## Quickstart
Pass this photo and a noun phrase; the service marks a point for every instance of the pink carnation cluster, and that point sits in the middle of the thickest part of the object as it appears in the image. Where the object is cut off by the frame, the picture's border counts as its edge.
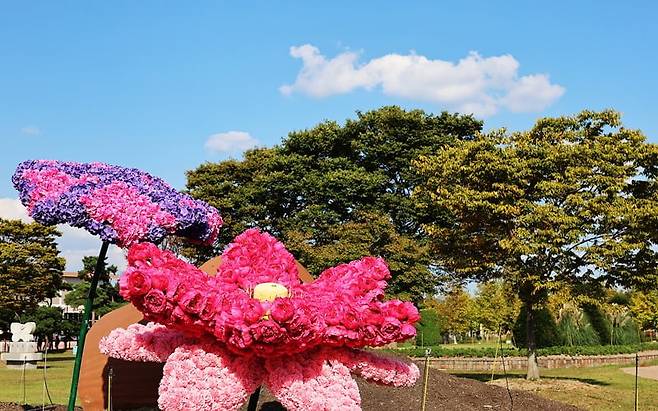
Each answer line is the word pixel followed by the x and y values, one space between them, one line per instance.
pixel 131 214
pixel 147 343
pixel 219 343
pixel 341 308
pixel 50 183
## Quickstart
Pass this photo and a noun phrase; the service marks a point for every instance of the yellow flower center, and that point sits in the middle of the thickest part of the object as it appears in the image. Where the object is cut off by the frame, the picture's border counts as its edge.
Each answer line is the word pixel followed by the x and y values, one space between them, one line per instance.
pixel 269 291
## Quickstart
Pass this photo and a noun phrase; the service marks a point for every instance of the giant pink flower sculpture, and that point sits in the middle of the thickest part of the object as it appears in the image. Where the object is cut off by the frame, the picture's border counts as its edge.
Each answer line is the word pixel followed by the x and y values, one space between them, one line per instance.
pixel 219 343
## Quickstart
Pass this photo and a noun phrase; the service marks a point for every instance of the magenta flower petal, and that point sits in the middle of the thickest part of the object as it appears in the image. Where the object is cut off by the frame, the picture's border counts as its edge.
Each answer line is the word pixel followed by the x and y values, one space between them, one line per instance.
pixel 203 377
pixel 253 258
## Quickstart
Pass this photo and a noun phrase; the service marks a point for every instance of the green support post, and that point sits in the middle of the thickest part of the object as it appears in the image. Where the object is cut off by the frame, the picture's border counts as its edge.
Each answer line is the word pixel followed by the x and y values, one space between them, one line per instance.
pixel 84 327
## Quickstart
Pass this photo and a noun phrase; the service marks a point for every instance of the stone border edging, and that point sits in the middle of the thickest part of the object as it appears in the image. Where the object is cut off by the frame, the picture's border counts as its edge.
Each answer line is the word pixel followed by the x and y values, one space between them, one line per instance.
pixel 549 361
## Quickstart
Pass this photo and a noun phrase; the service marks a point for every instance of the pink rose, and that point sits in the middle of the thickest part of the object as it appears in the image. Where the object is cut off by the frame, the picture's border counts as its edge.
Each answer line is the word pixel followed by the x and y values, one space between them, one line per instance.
pixel 240 338
pixel 351 319
pixel 209 308
pixel 390 329
pixel 412 312
pixel 282 310
pixel 155 301
pixel 365 284
pixel 299 328
pixel 159 280
pixel 403 311
pixel 408 331
pixel 370 333
pixel 252 311
pixel 373 315
pixel 192 302
pixel 181 289
pixel 134 282
pixel 180 316
pixel 335 335
pixel 268 332
pixel 334 314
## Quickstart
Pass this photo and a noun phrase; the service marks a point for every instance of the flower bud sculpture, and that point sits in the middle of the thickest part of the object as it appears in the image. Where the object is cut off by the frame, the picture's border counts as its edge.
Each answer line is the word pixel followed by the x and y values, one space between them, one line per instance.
pixel 255 323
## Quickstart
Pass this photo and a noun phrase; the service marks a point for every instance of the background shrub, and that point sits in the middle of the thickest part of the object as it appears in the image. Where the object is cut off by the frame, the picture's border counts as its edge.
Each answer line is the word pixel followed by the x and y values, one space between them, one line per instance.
pixel 429 329
pixel 546 331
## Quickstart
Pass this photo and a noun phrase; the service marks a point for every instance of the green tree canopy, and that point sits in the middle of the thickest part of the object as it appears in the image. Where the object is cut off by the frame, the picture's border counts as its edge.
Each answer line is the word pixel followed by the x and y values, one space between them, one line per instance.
pixel 335 192
pixel 573 200
pixel 49 321
pixel 644 306
pixel 456 309
pixel 496 306
pixel 89 265
pixel 30 266
pixel 107 294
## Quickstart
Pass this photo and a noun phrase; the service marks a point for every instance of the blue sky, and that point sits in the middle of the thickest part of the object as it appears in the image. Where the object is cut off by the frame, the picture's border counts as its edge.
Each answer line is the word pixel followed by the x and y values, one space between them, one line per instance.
pixel 164 86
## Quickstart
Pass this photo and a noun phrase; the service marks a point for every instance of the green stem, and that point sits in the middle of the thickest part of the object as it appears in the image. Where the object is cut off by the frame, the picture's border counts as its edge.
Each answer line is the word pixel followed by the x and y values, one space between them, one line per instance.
pixel 84 327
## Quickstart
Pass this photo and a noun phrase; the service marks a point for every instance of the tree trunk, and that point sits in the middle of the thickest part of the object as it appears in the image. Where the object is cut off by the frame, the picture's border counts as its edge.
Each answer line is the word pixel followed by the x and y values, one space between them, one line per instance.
pixel 533 367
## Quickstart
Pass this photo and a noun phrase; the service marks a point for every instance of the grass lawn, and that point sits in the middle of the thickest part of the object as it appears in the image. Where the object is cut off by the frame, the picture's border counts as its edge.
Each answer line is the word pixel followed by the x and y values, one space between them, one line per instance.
pixel 596 388
pixel 58 376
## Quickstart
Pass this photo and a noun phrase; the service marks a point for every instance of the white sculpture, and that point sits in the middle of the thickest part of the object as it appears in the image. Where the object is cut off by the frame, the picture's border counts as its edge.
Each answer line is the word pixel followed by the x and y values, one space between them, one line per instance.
pixel 22 350
pixel 23 332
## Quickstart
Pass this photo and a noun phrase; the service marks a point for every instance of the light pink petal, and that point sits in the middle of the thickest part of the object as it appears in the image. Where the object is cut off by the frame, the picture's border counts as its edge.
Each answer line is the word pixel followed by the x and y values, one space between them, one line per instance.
pixel 203 377
pixel 145 343
pixel 377 368
pixel 311 382
pixel 255 257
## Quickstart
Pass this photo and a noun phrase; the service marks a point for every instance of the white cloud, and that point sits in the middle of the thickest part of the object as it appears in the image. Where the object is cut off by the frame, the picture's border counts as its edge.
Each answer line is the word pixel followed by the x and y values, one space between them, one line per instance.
pixel 474 84
pixel 74 243
pixel 230 142
pixel 31 130
pixel 12 209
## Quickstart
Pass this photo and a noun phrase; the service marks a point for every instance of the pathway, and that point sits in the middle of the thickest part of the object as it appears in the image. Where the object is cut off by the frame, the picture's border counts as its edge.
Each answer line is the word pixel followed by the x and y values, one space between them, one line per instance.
pixel 644 372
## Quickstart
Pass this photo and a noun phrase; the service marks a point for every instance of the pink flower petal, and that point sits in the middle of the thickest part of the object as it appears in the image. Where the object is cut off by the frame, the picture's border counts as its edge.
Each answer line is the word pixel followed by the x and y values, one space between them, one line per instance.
pixel 376 368
pixel 145 343
pixel 309 381
pixel 204 377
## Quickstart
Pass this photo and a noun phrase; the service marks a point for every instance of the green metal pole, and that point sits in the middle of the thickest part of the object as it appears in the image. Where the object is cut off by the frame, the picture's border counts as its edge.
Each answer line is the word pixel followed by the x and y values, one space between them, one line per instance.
pixel 84 327
pixel 253 400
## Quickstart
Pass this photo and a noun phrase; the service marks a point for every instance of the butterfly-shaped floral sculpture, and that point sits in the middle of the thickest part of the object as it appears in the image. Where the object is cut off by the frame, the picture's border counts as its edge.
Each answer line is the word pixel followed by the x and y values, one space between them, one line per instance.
pixel 303 341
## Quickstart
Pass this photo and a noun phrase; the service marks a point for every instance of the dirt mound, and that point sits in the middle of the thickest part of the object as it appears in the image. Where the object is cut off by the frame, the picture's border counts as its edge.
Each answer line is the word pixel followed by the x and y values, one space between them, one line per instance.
pixel 445 392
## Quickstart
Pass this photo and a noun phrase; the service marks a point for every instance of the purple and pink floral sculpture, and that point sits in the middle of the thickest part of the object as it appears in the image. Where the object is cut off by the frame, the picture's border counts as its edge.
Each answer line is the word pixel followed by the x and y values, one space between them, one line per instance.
pixel 219 343
pixel 121 205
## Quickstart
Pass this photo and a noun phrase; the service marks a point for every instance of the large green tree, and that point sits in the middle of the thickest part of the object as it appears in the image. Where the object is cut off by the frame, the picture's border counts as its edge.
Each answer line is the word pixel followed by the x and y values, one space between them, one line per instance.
pixel 336 192
pixel 570 201
pixel 30 265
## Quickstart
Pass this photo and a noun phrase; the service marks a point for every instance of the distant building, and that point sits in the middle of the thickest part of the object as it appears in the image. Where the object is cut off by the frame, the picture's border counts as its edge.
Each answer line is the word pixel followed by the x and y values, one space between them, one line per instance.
pixel 70 278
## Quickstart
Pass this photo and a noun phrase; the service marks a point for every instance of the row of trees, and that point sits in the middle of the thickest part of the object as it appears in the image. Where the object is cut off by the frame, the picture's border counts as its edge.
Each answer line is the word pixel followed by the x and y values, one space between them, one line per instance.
pixel 570 202
pixel 494 311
